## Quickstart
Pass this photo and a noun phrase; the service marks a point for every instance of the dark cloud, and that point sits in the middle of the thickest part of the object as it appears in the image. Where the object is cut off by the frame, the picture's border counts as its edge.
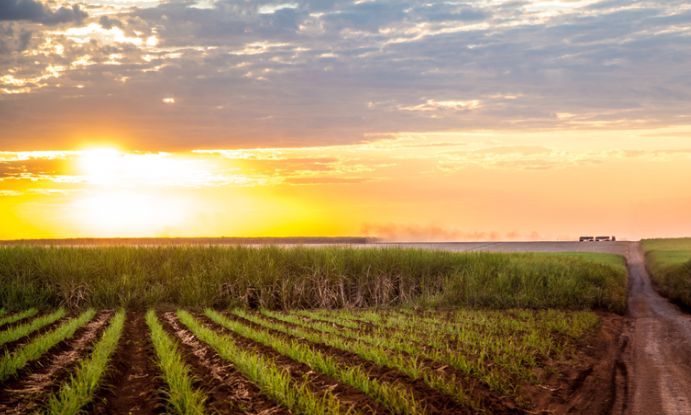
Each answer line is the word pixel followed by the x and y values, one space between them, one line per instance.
pixel 37 12
pixel 108 23
pixel 329 72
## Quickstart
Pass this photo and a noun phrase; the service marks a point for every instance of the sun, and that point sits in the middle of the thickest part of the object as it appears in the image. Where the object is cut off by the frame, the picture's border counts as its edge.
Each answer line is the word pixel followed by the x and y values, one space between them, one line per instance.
pixel 100 161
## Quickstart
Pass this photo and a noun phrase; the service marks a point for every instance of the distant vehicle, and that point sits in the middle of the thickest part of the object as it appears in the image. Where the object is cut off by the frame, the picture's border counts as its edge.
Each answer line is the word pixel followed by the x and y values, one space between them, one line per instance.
pixel 602 238
pixel 587 239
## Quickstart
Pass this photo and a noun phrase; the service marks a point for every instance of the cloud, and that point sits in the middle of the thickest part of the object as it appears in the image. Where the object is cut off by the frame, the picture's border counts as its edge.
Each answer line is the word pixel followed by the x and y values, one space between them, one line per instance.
pixel 329 73
pixel 34 11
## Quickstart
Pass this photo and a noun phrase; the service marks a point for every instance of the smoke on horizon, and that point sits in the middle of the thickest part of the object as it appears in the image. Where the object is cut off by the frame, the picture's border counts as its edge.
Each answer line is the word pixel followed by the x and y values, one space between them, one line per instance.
pixel 433 233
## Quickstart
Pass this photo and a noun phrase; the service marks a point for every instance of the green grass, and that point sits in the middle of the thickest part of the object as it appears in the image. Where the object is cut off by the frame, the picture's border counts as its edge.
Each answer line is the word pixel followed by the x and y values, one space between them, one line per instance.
pixel 381 354
pixel 499 348
pixel 79 390
pixel 274 381
pixel 16 317
pixel 669 264
pixel 301 277
pixel 183 398
pixel 396 398
pixel 11 363
pixel 28 328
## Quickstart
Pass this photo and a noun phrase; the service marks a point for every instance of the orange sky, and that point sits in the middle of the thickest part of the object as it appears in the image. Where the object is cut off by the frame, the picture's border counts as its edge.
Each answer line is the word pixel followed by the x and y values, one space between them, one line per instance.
pixel 408 120
pixel 415 187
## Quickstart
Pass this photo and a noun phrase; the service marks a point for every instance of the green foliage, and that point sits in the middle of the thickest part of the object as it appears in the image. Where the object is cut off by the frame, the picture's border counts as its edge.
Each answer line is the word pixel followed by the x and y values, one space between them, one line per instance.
pixel 301 277
pixel 11 363
pixel 79 390
pixel 669 264
pixel 28 328
pixel 183 398
pixel 499 348
pixel 274 381
pixel 16 317
pixel 615 261
pixel 394 397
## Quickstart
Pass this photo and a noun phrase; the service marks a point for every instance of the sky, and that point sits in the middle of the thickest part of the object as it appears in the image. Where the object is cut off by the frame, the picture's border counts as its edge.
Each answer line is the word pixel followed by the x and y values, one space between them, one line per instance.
pixel 404 120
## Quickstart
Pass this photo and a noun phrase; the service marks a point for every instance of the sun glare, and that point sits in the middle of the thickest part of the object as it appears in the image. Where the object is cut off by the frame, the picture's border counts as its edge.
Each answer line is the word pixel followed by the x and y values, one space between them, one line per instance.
pixel 117 210
pixel 122 214
pixel 100 162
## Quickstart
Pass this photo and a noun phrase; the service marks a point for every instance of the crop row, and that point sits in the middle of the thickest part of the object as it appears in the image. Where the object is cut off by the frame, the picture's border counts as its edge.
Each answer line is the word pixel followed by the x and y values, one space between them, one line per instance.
pixel 317 362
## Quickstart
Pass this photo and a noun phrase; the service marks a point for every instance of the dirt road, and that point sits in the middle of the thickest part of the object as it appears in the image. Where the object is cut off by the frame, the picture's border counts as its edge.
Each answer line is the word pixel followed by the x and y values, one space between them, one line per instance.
pixel 660 353
pixel 654 371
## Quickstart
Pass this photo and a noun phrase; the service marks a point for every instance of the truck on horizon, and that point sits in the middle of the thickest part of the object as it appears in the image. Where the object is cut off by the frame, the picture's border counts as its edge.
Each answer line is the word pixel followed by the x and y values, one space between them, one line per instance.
pixel 597 238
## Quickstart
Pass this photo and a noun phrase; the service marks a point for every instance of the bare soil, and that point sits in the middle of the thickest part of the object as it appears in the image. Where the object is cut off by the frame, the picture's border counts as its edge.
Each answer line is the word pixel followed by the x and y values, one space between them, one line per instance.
pixel 132 385
pixel 10 347
pixel 24 394
pixel 319 383
pixel 228 391
pixel 19 322
pixel 435 401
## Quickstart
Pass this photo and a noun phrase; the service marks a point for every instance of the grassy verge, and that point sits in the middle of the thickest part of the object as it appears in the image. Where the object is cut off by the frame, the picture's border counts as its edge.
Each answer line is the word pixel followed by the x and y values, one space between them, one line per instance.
pixel 79 390
pixel 11 363
pixel 301 277
pixel 396 398
pixel 183 398
pixel 16 317
pixel 275 382
pixel 669 264
pixel 28 328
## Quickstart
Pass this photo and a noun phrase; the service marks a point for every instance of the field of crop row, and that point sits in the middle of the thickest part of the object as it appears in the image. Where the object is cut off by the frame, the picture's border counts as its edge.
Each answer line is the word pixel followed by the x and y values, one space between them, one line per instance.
pixel 138 278
pixel 302 362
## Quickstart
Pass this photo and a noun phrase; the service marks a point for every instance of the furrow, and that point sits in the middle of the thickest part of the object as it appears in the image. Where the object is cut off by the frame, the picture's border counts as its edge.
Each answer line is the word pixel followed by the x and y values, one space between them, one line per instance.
pixel 358 391
pixel 228 391
pixel 23 330
pixel 22 395
pixel 473 359
pixel 437 392
pixel 182 397
pixel 10 320
pixel 11 363
pixel 79 390
pixel 285 381
pixel 132 382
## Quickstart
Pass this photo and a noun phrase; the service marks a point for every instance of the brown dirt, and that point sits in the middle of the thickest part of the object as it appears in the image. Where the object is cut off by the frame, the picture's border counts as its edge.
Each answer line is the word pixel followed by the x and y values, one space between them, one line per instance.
pixel 656 359
pixel 227 390
pixel 319 383
pixel 436 402
pixel 133 381
pixel 13 345
pixel 24 394
pixel 588 384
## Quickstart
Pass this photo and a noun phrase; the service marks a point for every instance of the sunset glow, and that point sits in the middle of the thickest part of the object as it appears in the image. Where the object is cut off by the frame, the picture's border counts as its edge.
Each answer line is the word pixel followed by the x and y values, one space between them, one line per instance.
pixel 408 121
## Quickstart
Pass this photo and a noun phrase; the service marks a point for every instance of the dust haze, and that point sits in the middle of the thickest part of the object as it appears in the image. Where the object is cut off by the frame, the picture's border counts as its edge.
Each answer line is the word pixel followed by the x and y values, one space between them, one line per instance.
pixel 433 233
